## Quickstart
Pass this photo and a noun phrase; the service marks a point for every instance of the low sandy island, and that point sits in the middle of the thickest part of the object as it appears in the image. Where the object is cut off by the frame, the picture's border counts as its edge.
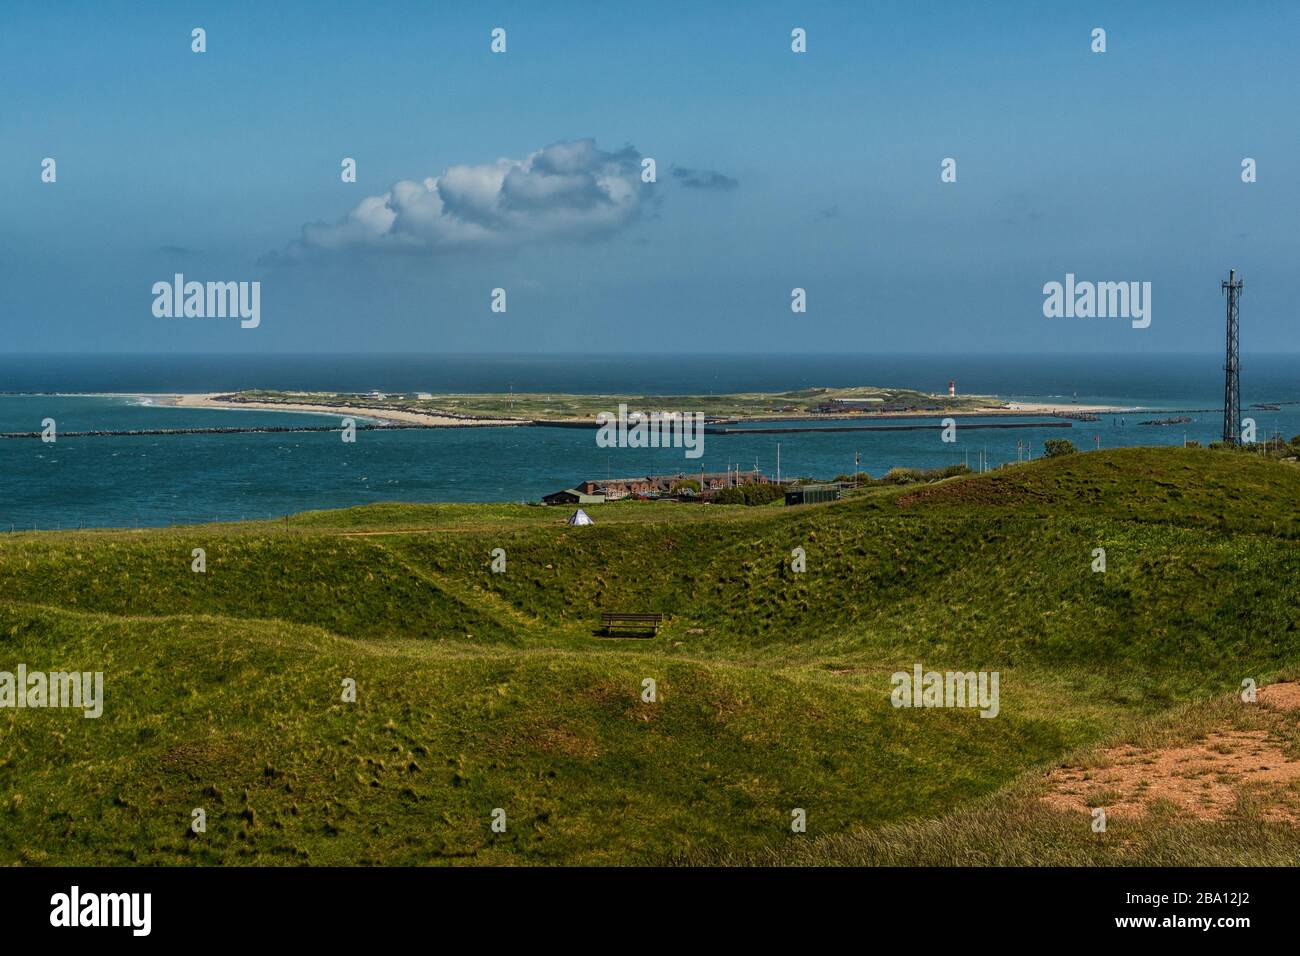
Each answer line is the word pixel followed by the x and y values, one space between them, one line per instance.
pixel 216 400
pixel 385 414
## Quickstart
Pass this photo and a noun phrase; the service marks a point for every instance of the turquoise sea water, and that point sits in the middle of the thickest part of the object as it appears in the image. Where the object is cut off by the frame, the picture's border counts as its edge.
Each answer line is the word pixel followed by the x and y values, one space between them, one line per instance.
pixel 152 480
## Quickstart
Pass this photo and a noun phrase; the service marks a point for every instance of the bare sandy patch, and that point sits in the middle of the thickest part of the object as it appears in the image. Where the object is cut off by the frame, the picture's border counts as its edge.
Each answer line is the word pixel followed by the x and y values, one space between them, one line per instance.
pixel 1285 696
pixel 1203 779
pixel 375 412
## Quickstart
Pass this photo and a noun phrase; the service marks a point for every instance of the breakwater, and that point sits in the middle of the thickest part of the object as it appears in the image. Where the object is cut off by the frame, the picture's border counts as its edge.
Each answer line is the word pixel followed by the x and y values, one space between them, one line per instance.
pixel 230 430
pixel 795 429
pixel 964 426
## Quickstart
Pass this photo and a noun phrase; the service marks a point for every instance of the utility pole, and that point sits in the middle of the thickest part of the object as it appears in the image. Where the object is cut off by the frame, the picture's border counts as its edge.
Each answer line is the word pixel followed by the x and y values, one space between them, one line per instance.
pixel 778 463
pixel 1232 364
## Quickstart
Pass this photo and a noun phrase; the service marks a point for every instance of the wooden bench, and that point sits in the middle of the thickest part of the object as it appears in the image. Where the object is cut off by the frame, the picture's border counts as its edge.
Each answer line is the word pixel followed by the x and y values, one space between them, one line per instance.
pixel 640 622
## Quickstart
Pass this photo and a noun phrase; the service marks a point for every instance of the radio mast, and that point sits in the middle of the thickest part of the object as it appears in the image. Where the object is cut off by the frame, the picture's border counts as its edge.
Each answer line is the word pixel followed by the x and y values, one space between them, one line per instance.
pixel 1232 365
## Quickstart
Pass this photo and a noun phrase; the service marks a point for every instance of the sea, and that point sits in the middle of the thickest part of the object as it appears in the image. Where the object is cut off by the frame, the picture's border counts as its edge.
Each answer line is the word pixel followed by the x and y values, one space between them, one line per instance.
pixel 181 479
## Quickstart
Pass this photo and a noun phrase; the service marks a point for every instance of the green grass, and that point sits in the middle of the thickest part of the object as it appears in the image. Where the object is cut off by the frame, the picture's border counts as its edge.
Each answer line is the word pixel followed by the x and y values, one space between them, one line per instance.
pixel 479 691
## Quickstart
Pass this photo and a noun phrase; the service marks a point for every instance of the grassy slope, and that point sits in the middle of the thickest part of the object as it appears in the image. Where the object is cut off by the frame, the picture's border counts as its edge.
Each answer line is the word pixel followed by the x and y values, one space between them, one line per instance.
pixel 481 690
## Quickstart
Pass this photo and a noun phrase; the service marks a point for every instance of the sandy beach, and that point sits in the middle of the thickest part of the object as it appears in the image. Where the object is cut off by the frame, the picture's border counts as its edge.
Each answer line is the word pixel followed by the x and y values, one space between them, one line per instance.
pixel 215 400
pixel 1039 408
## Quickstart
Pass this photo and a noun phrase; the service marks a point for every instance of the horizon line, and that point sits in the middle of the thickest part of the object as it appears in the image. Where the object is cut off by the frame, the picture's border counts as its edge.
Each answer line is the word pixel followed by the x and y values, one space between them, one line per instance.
pixel 637 354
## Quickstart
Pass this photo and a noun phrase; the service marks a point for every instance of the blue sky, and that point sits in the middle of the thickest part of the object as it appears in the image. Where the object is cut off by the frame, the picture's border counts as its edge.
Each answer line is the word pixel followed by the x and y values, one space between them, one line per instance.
pixel 1116 166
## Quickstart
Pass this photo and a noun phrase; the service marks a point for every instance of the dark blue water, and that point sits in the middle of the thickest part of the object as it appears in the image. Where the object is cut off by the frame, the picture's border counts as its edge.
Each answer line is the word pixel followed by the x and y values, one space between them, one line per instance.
pixel 178 479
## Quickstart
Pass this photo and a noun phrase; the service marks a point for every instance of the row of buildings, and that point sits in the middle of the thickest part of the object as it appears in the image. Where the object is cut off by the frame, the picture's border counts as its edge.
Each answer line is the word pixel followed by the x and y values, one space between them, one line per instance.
pixel 836 406
pixel 598 490
pixel 683 486
pixel 399 396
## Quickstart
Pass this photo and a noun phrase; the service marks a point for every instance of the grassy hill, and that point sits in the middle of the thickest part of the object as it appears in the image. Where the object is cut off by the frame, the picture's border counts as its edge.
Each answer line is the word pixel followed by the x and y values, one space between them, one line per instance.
pixel 478 691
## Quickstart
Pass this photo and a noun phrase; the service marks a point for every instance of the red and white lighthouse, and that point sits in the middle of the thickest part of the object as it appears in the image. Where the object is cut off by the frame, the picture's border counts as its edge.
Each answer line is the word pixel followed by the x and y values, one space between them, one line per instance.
pixel 952 389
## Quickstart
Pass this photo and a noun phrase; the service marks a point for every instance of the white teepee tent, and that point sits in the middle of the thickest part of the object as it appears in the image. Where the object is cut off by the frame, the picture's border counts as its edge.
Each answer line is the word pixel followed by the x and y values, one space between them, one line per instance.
pixel 580 517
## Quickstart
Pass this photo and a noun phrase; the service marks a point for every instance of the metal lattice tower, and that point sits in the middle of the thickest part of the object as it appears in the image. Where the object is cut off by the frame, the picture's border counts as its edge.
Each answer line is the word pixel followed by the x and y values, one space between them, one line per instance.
pixel 1232 365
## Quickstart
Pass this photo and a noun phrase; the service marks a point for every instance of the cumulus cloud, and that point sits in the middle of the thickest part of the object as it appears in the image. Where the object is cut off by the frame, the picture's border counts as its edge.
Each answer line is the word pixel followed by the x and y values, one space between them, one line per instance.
pixel 703 178
pixel 570 190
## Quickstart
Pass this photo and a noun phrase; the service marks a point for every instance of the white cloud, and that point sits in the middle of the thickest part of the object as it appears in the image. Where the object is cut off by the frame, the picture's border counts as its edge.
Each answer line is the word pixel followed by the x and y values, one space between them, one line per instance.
pixel 566 191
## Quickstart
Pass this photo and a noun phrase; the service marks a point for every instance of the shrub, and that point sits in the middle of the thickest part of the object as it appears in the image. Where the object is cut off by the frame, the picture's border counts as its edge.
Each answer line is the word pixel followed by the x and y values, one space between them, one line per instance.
pixel 1056 447
pixel 909 476
pixel 749 495
pixel 900 476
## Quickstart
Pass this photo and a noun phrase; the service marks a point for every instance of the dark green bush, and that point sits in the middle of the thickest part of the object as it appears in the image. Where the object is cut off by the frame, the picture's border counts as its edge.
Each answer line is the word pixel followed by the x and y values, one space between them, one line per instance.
pixel 749 495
